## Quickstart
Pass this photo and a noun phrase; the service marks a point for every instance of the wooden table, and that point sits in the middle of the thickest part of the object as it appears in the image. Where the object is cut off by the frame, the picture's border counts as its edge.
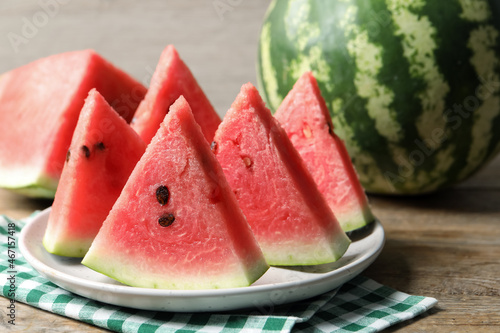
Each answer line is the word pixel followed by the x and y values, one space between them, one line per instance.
pixel 445 245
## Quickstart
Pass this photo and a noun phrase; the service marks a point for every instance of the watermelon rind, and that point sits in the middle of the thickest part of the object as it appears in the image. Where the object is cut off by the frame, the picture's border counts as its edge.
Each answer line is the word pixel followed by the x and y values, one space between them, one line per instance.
pixel 315 254
pixel 43 187
pixel 357 219
pixel 412 86
pixel 119 270
pixel 75 248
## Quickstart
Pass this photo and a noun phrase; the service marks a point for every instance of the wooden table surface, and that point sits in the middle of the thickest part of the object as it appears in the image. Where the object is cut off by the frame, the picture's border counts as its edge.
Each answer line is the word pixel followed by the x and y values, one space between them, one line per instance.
pixel 445 245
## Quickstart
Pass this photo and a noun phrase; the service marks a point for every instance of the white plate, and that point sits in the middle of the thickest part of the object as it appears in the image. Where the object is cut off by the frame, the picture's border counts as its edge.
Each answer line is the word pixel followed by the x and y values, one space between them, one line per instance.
pixel 279 285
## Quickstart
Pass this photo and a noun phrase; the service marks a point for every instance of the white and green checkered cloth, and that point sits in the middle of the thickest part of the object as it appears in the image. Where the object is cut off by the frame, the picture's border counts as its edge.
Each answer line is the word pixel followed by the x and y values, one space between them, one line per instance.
pixel 361 305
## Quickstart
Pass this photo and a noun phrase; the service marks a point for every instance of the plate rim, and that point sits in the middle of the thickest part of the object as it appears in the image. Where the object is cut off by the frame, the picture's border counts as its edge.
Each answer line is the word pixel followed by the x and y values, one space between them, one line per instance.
pixel 350 270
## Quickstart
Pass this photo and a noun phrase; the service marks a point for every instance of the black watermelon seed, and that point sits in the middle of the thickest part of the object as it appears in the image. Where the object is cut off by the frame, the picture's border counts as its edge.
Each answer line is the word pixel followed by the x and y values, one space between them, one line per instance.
pixel 330 129
pixel 162 195
pixel 86 151
pixel 68 155
pixel 166 220
pixel 100 145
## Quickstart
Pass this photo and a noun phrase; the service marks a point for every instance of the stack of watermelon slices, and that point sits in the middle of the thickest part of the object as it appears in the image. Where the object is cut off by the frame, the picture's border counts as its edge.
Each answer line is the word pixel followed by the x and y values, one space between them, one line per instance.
pixel 290 218
pixel 91 181
pixel 39 108
pixel 177 224
pixel 189 215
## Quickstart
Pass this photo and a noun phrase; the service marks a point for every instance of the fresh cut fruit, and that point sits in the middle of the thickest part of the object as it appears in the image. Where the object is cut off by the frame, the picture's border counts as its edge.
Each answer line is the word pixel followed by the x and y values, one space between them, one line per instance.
pixel 177 224
pixel 289 216
pixel 171 79
pixel 103 152
pixel 39 108
pixel 413 87
pixel 305 118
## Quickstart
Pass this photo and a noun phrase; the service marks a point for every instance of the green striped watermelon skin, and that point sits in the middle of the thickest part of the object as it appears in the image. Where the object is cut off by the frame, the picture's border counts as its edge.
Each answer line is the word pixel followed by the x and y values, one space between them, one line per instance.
pixel 413 87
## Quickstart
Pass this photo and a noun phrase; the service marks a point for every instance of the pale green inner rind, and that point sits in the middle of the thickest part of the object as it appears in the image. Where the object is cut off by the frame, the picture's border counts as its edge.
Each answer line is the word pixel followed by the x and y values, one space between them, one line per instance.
pixel 356 219
pixel 127 273
pixel 34 192
pixel 68 248
pixel 257 270
pixel 321 252
pixel 28 184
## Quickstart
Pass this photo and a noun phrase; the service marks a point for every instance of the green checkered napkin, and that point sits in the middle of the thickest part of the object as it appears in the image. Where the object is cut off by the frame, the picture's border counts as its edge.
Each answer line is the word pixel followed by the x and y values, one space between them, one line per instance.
pixel 361 305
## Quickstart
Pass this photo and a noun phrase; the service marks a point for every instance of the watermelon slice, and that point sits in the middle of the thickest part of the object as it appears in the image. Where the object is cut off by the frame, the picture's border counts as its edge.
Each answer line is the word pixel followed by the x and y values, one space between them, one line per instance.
pixel 171 79
pixel 39 107
pixel 177 224
pixel 103 153
pixel 288 215
pixel 304 116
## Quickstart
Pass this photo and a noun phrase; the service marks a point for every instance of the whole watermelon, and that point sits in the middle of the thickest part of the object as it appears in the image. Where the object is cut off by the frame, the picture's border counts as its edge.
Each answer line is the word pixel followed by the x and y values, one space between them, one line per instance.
pixel 413 86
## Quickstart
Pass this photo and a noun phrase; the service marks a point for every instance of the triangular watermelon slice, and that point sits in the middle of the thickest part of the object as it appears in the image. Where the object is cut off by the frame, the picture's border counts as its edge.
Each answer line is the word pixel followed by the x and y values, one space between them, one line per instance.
pixel 177 224
pixel 305 117
pixel 171 79
pixel 103 152
pixel 289 217
pixel 39 107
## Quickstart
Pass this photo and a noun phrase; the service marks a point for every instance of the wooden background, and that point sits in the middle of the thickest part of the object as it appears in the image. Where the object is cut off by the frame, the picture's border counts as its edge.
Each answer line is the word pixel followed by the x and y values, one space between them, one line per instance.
pixel 445 245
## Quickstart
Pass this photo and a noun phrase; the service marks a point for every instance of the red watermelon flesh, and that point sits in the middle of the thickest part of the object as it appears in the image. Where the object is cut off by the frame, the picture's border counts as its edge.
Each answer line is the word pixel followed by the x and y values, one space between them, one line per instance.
pixel 103 152
pixel 177 224
pixel 304 115
pixel 171 79
pixel 288 215
pixel 39 107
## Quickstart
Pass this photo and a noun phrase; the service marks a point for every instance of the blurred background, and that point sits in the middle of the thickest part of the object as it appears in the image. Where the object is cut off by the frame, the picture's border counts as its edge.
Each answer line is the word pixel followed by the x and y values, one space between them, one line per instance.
pixel 207 33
